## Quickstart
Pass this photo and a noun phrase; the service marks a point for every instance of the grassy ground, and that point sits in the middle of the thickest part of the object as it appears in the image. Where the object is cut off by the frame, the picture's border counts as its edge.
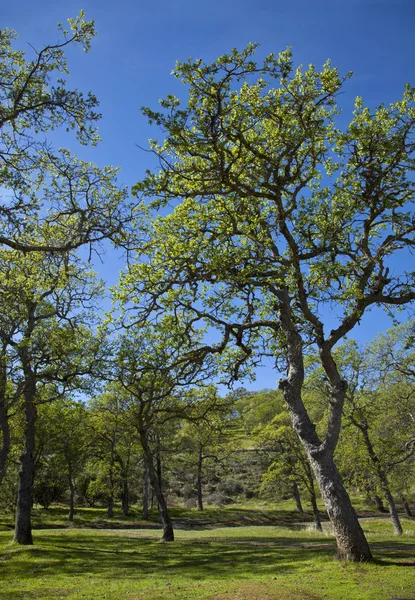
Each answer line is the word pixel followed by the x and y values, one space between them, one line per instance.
pixel 225 554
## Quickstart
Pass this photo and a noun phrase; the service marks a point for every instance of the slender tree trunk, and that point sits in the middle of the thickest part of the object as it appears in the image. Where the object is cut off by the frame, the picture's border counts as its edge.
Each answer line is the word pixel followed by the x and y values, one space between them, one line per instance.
pixel 23 527
pixel 125 497
pixel 316 512
pixel 5 430
pixel 379 504
pixel 145 493
pixel 393 513
pixel 297 497
pixel 71 496
pixel 406 507
pixel 110 506
pixel 154 475
pixel 382 478
pixel 199 481
pixel 4 417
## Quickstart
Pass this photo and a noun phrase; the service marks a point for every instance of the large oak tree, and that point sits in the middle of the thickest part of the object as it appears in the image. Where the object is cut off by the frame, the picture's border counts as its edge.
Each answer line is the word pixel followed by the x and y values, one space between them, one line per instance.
pixel 282 229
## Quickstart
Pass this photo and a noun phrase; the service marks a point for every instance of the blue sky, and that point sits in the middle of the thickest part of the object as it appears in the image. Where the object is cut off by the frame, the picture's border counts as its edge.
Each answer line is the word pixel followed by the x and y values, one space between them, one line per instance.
pixel 137 44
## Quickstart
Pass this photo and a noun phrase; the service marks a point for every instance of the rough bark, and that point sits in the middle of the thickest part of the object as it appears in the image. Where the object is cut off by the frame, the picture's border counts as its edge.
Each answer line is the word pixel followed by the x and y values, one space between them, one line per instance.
pixel 406 506
pixel 145 494
pixel 154 473
pixel 297 497
pixel 351 541
pixel 199 480
pixel 23 527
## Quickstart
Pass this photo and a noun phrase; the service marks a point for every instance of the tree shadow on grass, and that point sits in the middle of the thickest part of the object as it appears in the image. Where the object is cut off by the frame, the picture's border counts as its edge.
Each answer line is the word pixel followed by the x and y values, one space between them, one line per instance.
pixel 133 558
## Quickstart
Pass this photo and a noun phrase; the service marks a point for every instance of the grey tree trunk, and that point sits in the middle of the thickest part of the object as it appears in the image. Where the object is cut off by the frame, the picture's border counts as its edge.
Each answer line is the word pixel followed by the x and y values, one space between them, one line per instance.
pixel 406 506
pixel 145 494
pixel 154 475
pixel 23 527
pixel 351 541
pixel 297 497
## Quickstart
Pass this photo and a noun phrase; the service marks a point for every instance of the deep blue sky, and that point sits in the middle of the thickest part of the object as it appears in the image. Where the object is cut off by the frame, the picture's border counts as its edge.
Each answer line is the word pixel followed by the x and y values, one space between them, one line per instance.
pixel 137 45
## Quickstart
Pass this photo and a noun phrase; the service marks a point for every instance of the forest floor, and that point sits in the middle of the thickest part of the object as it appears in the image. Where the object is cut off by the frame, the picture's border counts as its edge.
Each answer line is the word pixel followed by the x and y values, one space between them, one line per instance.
pixel 233 553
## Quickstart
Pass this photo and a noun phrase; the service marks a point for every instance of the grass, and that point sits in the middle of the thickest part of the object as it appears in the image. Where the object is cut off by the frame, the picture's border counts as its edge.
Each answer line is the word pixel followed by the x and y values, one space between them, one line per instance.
pixel 210 560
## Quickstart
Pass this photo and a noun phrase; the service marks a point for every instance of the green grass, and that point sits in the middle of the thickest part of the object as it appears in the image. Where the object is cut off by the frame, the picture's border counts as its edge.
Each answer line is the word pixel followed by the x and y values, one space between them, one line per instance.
pixel 208 561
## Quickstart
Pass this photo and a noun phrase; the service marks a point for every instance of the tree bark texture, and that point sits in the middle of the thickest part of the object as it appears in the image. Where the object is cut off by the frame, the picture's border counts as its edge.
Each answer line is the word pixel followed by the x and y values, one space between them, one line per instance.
pixel 351 542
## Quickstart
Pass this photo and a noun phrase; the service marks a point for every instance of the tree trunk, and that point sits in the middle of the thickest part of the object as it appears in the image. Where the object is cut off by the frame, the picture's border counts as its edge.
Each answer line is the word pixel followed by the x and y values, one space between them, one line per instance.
pixel 316 512
pixel 125 497
pixel 4 417
pixel 5 430
pixel 110 507
pixel 145 494
pixel 154 475
pixel 379 504
pixel 351 541
pixel 297 497
pixel 199 481
pixel 406 506
pixel 364 428
pixel 23 527
pixel 71 496
pixel 393 512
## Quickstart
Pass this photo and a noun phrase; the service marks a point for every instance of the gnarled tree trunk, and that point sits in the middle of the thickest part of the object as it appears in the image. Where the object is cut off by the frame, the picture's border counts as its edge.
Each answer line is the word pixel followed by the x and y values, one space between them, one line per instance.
pixel 351 541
